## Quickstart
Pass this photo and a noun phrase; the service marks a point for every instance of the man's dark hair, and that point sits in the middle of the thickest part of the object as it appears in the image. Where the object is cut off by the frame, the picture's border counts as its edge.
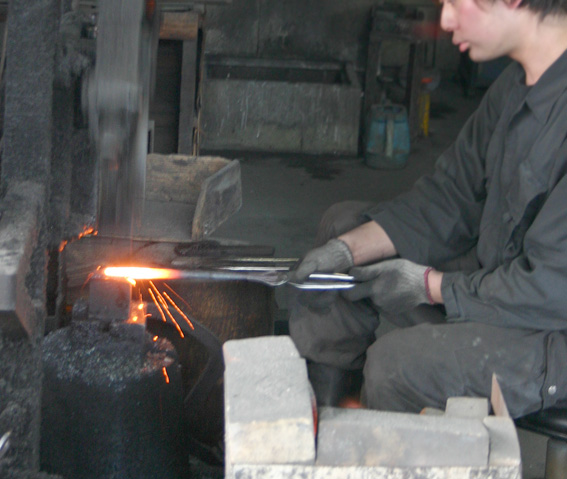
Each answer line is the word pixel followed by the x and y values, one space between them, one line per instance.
pixel 546 7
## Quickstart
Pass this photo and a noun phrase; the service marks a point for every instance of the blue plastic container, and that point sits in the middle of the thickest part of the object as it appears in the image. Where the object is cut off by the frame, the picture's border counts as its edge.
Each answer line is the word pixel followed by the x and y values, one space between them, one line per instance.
pixel 387 139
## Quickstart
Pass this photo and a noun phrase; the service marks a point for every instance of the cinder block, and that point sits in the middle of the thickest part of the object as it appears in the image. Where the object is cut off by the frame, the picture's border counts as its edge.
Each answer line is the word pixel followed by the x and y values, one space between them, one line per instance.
pixel 268 409
pixel 358 437
pixel 467 407
pixel 266 348
pixel 504 443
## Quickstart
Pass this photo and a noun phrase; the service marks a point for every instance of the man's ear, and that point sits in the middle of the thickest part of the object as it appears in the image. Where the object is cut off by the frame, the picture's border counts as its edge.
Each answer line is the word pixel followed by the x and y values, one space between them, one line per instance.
pixel 513 4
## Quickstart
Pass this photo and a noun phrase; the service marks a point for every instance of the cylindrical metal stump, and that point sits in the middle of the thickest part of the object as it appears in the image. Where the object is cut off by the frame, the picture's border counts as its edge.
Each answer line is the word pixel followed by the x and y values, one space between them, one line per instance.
pixel 107 413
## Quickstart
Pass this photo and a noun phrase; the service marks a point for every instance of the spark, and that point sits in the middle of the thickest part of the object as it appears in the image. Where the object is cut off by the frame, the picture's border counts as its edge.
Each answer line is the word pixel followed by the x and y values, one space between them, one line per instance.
pixel 178 297
pixel 157 305
pixel 178 309
pixel 166 376
pixel 161 299
pixel 166 308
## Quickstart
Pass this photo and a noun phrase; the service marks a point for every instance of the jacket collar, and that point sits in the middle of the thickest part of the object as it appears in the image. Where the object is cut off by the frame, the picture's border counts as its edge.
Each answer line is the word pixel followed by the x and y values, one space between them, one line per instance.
pixel 542 96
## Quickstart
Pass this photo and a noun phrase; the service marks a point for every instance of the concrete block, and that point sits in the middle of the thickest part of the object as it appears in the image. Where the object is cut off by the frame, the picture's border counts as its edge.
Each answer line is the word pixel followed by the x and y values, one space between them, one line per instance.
pixel 268 412
pixel 267 348
pixel 19 229
pixel 248 471
pixel 504 443
pixel 432 411
pixel 467 407
pixel 358 437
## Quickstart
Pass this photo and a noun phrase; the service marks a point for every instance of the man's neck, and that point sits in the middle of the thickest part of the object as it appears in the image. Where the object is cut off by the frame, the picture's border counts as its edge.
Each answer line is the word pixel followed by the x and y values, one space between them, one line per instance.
pixel 544 43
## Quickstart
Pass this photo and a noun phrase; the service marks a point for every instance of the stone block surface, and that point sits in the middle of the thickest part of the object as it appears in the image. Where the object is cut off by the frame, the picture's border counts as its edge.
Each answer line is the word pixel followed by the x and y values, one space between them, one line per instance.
pixel 357 437
pixel 247 471
pixel 268 408
pixel 467 407
pixel 267 348
pixel 504 445
pixel 269 429
pixel 19 230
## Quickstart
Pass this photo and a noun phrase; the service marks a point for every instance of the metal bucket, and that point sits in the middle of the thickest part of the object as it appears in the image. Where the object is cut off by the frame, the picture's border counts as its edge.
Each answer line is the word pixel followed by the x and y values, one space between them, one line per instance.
pixel 388 138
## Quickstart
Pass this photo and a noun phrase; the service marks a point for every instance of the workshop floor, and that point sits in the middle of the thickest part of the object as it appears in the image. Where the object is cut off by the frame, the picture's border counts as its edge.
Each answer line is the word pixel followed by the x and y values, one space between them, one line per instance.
pixel 284 197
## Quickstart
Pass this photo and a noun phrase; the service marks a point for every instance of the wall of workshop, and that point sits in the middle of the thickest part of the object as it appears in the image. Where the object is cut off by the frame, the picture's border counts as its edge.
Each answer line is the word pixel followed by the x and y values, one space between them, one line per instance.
pixel 335 30
pixel 312 30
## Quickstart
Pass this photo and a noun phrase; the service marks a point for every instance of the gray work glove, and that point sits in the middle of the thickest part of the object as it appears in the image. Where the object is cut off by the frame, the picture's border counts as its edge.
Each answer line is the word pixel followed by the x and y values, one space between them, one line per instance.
pixel 333 257
pixel 395 286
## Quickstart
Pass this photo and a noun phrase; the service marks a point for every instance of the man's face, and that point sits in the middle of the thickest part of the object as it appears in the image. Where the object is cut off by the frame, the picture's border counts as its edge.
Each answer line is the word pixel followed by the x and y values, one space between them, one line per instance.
pixel 483 27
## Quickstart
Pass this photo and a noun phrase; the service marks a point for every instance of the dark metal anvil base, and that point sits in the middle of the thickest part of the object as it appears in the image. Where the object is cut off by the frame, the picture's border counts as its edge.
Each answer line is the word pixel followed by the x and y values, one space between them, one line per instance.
pixel 106 411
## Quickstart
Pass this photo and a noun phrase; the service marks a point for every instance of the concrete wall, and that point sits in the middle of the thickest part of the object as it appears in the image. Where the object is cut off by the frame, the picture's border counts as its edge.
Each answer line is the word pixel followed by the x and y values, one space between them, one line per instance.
pixel 238 115
pixel 319 30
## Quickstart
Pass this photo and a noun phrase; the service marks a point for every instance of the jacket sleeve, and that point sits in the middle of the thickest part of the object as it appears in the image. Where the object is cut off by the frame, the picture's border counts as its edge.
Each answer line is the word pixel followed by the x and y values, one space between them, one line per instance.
pixel 438 219
pixel 529 291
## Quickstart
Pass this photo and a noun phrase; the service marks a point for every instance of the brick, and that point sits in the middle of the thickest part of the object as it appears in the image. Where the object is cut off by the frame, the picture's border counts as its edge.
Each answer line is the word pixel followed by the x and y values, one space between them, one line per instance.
pixel 351 437
pixel 504 443
pixel 267 348
pixel 268 410
pixel 467 407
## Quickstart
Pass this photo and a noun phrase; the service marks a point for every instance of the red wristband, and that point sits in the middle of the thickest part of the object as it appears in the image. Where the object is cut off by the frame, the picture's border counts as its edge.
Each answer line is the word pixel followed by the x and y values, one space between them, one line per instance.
pixel 426 281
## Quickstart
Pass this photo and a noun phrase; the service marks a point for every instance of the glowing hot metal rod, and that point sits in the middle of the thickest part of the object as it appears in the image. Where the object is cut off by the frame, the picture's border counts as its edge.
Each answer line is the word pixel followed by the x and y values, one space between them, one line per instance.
pixel 268 277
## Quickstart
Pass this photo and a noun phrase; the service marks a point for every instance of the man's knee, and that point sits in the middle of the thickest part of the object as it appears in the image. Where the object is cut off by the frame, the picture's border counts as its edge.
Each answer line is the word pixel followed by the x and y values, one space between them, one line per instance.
pixel 340 218
pixel 386 360
pixel 402 370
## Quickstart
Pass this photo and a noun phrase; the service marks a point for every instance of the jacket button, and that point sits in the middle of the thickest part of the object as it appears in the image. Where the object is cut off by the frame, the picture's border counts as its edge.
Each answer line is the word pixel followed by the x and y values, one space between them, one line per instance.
pixel 552 390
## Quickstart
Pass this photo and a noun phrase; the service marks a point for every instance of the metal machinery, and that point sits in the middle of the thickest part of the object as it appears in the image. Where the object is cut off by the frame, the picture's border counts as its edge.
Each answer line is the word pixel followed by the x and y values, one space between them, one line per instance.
pixel 74 160
pixel 117 97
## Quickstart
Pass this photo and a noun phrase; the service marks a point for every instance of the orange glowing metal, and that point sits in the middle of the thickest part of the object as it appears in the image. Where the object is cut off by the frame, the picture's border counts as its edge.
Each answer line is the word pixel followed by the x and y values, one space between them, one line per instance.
pixel 137 313
pixel 137 272
pixel 161 300
pixel 62 245
pixel 87 230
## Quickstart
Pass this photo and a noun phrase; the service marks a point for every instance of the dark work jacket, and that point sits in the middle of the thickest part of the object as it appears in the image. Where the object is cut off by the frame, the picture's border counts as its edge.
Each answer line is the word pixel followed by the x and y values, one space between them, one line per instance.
pixel 500 191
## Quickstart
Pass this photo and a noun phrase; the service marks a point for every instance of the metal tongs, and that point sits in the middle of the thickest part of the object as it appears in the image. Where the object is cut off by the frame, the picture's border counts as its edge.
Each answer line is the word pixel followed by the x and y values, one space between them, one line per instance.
pixel 276 277
pixel 4 443
pixel 268 271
